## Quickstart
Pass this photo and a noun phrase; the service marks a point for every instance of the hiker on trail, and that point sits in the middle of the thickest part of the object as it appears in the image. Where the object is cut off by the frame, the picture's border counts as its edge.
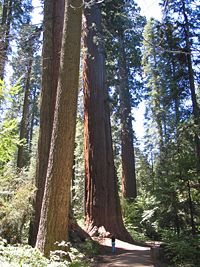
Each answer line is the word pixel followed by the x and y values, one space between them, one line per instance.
pixel 113 243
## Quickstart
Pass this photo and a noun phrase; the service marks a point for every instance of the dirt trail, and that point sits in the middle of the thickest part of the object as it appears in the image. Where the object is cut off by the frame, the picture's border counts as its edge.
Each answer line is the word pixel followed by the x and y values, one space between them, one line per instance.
pixel 126 255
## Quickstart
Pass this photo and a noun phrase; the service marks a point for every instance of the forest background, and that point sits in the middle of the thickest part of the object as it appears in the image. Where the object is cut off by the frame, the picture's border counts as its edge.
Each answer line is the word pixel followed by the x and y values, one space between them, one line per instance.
pixel 154 62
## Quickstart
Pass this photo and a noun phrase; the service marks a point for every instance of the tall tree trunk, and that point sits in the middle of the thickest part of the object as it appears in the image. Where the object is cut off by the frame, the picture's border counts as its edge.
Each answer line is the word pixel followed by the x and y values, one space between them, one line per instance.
pixel 32 120
pixel 195 106
pixel 53 25
pixel 21 157
pixel 5 34
pixel 101 189
pixel 53 225
pixel 128 158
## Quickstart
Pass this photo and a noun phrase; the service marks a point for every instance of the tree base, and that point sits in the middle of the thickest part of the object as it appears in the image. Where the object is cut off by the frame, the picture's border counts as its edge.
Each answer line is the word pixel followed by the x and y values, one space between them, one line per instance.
pixel 76 233
pixel 119 233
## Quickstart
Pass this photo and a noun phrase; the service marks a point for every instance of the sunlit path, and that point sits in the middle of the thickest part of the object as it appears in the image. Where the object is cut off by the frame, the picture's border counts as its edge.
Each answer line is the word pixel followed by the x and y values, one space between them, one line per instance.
pixel 126 255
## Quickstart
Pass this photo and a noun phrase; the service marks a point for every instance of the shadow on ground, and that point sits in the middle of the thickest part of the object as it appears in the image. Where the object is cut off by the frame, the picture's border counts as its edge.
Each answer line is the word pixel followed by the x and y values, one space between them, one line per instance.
pixel 138 257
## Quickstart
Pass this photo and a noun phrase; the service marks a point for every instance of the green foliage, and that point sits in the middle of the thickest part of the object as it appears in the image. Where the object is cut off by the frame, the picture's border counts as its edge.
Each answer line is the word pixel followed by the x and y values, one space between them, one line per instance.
pixel 9 140
pixel 90 248
pixel 9 137
pixel 20 255
pixel 140 218
pixel 182 250
pixel 16 191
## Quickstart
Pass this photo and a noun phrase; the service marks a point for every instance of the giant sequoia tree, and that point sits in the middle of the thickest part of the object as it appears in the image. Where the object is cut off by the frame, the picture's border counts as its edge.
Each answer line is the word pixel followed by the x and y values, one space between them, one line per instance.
pixel 101 190
pixel 53 225
pixel 53 25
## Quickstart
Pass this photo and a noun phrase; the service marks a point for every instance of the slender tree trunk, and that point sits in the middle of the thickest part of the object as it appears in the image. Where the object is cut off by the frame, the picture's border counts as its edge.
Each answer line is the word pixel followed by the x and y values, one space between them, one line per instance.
pixel 5 34
pixel 191 209
pixel 157 111
pixel 32 121
pixel 21 157
pixel 53 25
pixel 103 212
pixel 175 93
pixel 129 190
pixel 54 222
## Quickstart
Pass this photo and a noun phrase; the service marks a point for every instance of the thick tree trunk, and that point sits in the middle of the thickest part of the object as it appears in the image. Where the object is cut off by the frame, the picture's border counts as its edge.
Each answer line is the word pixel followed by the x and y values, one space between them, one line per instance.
pixel 103 212
pixel 129 190
pixel 5 34
pixel 21 157
pixel 54 222
pixel 53 25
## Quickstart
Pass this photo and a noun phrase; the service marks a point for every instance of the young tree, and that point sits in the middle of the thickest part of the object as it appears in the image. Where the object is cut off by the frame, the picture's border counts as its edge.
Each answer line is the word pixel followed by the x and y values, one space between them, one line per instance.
pixel 27 50
pixel 101 189
pixel 53 225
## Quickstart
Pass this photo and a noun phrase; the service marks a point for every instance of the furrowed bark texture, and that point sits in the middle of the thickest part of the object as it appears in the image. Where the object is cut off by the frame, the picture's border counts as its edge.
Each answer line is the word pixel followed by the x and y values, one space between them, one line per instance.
pixel 53 27
pixel 55 208
pixel 129 190
pixel 101 190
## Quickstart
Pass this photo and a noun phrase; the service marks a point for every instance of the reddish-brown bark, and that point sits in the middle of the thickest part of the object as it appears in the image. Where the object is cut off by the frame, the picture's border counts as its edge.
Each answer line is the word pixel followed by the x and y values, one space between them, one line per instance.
pixel 128 158
pixel 53 25
pixel 101 190
pixel 54 219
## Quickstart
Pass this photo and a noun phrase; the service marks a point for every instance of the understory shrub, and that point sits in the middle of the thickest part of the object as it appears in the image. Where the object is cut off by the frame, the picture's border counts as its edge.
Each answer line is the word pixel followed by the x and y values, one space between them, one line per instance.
pixel 16 190
pixel 183 250
pixel 26 256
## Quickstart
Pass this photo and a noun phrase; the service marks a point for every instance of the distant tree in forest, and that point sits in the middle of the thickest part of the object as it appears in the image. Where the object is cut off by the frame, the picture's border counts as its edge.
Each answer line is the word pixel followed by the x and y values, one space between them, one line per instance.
pixel 27 50
pixel 187 24
pixel 169 127
pixel 123 37
pixel 13 15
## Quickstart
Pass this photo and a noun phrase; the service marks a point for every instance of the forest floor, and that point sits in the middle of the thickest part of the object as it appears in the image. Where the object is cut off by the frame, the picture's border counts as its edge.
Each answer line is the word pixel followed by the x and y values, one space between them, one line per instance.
pixel 126 255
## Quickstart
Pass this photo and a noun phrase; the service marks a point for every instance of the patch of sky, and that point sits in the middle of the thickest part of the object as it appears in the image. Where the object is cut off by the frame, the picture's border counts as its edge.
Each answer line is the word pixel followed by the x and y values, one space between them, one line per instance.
pixel 150 8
